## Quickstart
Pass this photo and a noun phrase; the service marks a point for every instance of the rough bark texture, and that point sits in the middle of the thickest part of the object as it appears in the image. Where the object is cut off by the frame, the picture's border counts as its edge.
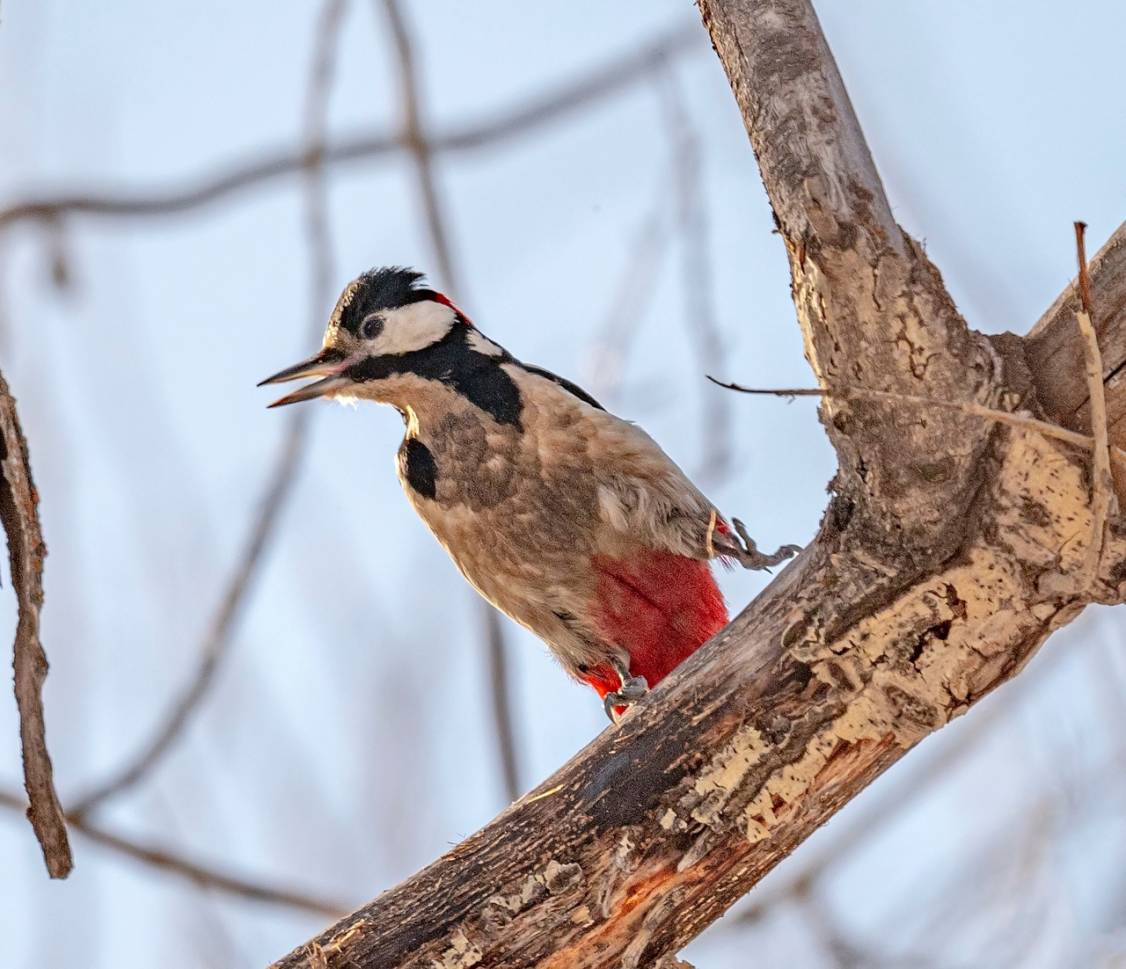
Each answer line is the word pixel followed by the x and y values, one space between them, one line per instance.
pixel 1055 352
pixel 951 549
pixel 19 512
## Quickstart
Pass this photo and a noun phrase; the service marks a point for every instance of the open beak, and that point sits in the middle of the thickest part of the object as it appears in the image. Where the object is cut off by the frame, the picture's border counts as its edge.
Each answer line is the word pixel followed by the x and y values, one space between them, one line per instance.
pixel 328 365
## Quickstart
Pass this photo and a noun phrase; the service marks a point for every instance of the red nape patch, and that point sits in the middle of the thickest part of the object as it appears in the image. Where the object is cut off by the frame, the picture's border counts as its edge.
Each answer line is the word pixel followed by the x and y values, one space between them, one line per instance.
pixel 660 608
pixel 446 301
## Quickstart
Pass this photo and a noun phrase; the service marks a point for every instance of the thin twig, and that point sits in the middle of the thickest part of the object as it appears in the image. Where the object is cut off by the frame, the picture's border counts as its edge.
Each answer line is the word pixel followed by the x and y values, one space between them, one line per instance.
pixel 528 117
pixel 421 149
pixel 696 274
pixel 1083 281
pixel 1102 481
pixel 977 410
pixel 167 860
pixel 19 511
pixel 279 484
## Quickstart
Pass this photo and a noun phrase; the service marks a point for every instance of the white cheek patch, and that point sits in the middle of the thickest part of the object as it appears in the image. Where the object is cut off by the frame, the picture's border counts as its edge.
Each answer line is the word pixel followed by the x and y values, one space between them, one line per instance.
pixel 413 327
pixel 483 345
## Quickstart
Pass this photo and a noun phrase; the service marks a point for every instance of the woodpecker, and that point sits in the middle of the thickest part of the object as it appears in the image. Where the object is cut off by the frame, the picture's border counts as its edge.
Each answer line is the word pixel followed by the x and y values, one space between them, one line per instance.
pixel 568 519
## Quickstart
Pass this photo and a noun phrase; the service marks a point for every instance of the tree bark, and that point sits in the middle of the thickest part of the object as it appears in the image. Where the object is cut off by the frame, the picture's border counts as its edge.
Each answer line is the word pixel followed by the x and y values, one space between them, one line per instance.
pixel 19 514
pixel 952 547
pixel 1055 352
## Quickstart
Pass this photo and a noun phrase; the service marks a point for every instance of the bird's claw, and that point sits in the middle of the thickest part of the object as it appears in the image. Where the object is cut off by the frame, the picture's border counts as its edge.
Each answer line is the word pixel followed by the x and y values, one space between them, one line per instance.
pixel 633 688
pixel 747 554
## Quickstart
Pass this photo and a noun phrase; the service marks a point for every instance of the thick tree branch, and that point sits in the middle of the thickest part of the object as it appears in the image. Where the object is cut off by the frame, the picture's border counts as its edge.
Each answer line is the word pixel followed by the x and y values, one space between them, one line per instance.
pixel 859 826
pixel 19 512
pixel 952 548
pixel 872 308
pixel 652 831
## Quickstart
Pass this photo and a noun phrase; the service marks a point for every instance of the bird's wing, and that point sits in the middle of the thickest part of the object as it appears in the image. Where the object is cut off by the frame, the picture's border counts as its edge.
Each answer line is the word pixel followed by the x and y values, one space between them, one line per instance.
pixel 641 493
pixel 644 495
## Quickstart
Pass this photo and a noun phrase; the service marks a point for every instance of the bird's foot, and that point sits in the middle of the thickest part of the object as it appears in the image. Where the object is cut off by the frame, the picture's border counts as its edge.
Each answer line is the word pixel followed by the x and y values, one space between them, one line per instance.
pixel 746 552
pixel 633 688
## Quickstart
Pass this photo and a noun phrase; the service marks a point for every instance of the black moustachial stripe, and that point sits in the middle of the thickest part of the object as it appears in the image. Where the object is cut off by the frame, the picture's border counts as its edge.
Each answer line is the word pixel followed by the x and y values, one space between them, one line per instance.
pixel 418 467
pixel 478 378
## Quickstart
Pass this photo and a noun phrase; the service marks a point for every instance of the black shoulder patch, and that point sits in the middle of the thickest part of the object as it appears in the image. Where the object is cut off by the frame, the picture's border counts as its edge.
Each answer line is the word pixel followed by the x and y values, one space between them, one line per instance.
pixel 491 389
pixel 573 389
pixel 418 467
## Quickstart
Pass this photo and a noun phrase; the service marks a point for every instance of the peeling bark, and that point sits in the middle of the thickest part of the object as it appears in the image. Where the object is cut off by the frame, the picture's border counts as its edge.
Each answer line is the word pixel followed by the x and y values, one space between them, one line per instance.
pixel 950 551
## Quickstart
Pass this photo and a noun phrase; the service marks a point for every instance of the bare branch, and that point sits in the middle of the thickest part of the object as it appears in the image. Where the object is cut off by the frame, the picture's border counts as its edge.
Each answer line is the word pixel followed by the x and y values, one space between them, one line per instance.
pixel 526 118
pixel 290 453
pixel 1102 481
pixel 696 275
pixel 415 138
pixel 821 178
pixel 1055 351
pixel 169 861
pixel 869 818
pixel 1084 278
pixel 1020 421
pixel 19 512
pixel 500 697
pixel 872 308
pixel 630 300
pixel 220 632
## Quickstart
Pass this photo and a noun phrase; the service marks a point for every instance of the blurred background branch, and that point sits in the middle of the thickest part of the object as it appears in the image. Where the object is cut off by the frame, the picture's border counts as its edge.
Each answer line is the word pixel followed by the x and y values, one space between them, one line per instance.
pixel 291 449
pixel 172 862
pixel 523 120
pixel 698 285
pixel 414 136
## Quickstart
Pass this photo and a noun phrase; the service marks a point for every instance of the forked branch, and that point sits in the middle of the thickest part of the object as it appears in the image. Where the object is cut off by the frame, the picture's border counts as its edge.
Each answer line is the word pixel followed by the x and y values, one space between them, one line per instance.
pixel 952 548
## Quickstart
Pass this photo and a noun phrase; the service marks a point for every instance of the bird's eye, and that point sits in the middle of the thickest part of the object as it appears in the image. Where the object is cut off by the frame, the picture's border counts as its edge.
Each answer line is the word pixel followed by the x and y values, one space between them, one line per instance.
pixel 371 327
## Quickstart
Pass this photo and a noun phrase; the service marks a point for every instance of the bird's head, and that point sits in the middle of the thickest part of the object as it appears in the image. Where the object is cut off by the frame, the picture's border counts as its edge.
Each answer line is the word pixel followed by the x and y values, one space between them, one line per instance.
pixel 388 330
